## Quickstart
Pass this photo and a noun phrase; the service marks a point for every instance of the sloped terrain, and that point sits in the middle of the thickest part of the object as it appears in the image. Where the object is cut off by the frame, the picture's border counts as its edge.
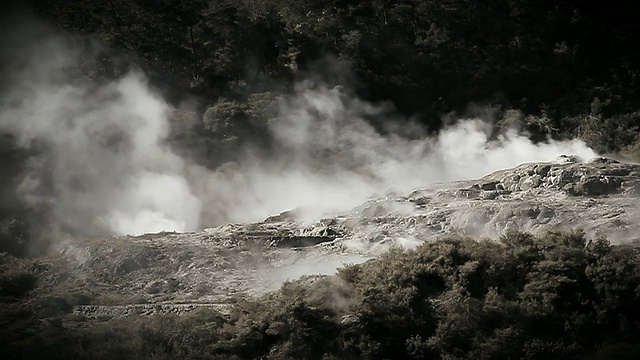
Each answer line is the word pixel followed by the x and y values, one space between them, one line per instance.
pixel 598 196
pixel 176 273
pixel 168 290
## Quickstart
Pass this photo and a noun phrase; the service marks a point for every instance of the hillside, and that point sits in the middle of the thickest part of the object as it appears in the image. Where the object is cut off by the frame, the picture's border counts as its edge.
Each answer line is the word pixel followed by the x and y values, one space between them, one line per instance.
pixel 276 179
pixel 218 293
pixel 571 66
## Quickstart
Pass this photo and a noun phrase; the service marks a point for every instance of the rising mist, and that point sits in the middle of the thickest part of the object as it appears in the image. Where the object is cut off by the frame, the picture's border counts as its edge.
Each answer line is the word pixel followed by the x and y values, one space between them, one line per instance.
pixel 101 165
pixel 329 158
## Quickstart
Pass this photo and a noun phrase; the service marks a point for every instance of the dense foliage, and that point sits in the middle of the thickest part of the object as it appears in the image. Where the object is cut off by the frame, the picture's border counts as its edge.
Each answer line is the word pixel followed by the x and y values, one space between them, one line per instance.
pixel 572 64
pixel 525 297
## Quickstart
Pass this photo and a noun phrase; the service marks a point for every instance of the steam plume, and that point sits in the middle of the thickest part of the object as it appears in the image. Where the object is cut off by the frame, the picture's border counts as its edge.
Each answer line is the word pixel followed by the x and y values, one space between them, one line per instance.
pixel 101 166
pixel 329 158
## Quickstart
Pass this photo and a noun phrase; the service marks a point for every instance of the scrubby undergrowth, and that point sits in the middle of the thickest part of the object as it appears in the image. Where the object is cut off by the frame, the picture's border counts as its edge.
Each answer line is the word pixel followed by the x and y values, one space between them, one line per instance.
pixel 554 296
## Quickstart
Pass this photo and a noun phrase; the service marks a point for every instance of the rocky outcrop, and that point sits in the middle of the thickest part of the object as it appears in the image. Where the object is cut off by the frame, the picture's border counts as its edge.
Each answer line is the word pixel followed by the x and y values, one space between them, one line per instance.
pixel 598 196
pixel 177 273
pixel 600 176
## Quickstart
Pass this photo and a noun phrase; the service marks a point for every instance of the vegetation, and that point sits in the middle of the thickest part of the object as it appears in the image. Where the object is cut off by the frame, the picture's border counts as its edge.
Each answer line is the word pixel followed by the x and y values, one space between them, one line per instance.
pixel 573 64
pixel 524 297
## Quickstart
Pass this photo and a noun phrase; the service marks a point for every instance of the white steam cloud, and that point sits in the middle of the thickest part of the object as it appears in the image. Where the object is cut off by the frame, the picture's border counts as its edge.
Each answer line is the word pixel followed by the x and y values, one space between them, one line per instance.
pixel 329 158
pixel 102 167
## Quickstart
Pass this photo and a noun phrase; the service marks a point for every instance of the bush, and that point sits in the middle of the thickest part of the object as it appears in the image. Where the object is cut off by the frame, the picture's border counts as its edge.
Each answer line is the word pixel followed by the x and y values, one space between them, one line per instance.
pixel 529 297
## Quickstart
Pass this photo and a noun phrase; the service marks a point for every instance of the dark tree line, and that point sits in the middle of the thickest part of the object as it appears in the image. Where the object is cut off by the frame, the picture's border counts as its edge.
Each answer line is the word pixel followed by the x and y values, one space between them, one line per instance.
pixel 574 63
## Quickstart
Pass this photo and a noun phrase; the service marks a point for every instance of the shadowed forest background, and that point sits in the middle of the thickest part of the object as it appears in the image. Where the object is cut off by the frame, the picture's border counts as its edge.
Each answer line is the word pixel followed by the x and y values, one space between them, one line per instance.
pixel 572 67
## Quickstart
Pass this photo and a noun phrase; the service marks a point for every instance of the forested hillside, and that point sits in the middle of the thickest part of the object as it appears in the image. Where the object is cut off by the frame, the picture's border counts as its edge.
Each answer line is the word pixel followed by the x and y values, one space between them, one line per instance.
pixel 572 66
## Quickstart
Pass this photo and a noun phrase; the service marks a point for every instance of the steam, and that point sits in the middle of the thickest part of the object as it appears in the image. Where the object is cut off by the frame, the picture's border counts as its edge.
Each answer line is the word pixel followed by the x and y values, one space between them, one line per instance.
pixel 101 166
pixel 323 125
pixel 330 158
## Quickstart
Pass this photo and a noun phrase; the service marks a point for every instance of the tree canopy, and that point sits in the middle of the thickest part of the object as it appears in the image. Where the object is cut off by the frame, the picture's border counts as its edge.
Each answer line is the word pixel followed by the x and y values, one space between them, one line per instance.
pixel 574 62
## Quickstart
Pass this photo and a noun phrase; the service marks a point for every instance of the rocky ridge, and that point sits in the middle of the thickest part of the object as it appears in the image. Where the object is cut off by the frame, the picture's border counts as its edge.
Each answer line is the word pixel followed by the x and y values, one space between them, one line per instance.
pixel 599 196
pixel 179 272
